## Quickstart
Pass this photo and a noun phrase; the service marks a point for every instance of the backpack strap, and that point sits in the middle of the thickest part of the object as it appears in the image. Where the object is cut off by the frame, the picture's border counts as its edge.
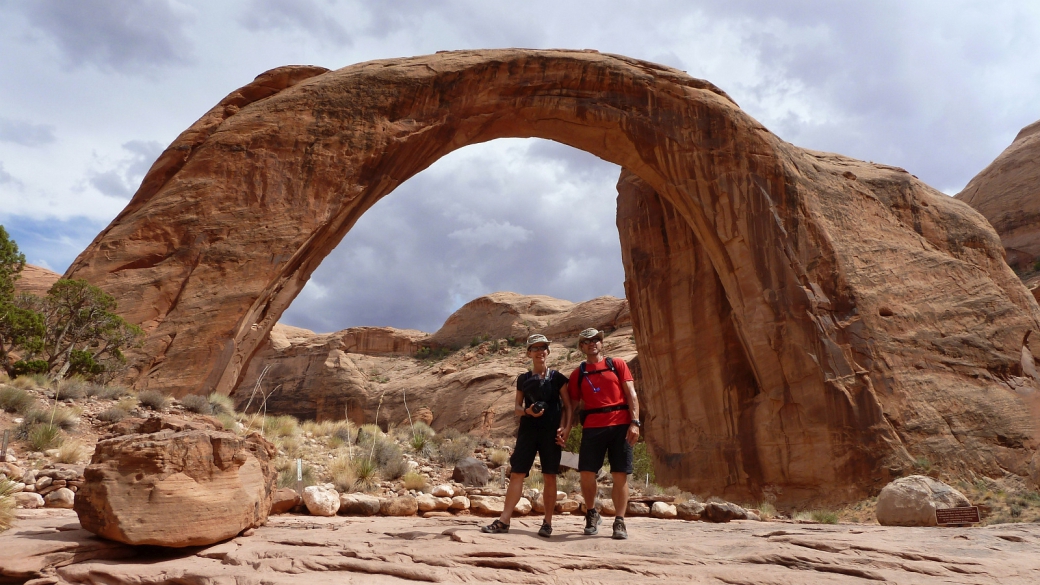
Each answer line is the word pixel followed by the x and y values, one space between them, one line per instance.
pixel 583 373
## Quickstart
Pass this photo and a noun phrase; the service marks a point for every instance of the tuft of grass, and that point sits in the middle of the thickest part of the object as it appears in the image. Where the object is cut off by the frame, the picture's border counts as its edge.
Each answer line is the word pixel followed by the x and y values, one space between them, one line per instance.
pixel 74 388
pixel 287 475
pixel 221 404
pixel 112 414
pixel 447 435
pixel 72 452
pixel 394 469
pixel 922 465
pixel 642 463
pixel 573 443
pixel 568 482
pixel 65 418
pixel 342 475
pixel 40 380
pixel 534 480
pixel 499 457
pixel 113 392
pixel 230 423
pixel 280 426
pixel 421 441
pixel 767 511
pixel 289 445
pixel 43 436
pixel 197 404
pixel 413 481
pixel 451 452
pixel 367 474
pixel 154 400
pixel 820 516
pixel 7 514
pixel 14 399
pixel 23 382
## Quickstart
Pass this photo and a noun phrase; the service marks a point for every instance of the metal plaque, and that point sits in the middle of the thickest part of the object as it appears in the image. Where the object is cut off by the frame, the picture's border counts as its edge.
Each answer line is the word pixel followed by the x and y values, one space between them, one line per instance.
pixel 962 515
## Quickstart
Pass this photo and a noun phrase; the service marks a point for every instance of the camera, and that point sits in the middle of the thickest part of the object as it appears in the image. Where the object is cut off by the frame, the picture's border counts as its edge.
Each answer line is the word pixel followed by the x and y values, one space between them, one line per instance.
pixel 537 407
pixel 532 390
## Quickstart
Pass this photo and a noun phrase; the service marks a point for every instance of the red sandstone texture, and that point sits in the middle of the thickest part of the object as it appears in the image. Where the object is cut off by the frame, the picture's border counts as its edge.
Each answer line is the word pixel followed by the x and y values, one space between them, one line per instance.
pixel 35 280
pixel 870 320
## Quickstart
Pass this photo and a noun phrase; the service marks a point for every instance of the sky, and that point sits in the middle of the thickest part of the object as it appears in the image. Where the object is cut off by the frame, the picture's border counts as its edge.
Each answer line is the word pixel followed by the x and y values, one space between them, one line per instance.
pixel 92 91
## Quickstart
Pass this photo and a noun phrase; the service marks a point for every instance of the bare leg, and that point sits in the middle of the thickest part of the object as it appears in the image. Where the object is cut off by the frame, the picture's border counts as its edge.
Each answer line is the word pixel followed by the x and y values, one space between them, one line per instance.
pixel 549 496
pixel 619 493
pixel 513 493
pixel 588 489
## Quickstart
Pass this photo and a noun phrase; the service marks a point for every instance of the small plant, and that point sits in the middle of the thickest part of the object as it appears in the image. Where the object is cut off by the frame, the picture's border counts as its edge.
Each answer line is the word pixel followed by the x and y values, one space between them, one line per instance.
pixel 280 426
pixel 642 463
pixel 422 445
pixel 23 382
pixel 922 465
pixel 568 482
pixel 73 388
pixel 230 423
pixel 450 434
pixel 766 510
pixel 451 452
pixel 427 353
pixel 112 414
pixel 221 404
pixel 342 474
pixel 394 469
pixel 650 489
pixel 413 481
pixel 72 452
pixel 474 342
pixel 367 474
pixel 197 404
pixel 573 443
pixel 289 445
pixel 819 516
pixel 154 400
pixel 499 457
pixel 7 514
pixel 40 380
pixel 534 480
pixel 65 418
pixel 44 436
pixel 112 392
pixel 287 476
pixel 14 399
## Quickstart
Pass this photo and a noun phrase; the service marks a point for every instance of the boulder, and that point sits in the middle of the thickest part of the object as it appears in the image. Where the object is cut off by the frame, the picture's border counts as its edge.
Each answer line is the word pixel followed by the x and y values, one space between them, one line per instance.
pixel 60 498
pixel 568 506
pixel 605 506
pixel 459 503
pixel 284 499
pixel 358 505
pixel 912 501
pixel 442 504
pixel 723 512
pixel 398 506
pixel 427 503
pixel 487 505
pixel 442 491
pixel 638 509
pixel 177 488
pixel 320 500
pixel 28 500
pixel 471 471
pixel 12 471
pixel 689 510
pixel 522 507
pixel 663 510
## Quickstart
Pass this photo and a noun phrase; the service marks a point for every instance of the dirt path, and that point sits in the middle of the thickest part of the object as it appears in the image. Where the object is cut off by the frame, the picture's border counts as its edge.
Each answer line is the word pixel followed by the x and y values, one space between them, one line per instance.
pixel 304 549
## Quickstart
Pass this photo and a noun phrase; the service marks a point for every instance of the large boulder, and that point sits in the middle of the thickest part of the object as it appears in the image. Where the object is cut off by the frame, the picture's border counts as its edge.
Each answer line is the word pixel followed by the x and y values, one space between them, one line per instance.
pixel 723 512
pixel 177 488
pixel 283 500
pixel 471 471
pixel 320 500
pixel 358 505
pixel 912 501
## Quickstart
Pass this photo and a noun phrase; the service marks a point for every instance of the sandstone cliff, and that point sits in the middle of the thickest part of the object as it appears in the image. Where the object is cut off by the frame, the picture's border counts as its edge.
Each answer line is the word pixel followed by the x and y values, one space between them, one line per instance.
pixel 875 318
pixel 35 280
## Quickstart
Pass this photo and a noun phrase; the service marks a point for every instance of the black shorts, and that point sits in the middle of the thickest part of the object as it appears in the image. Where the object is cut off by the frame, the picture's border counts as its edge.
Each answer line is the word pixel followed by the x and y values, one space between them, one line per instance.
pixel 599 441
pixel 540 441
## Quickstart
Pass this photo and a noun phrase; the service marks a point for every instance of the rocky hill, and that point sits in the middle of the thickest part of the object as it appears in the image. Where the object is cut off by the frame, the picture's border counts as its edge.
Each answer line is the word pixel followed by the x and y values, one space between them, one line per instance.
pixel 35 280
pixel 461 376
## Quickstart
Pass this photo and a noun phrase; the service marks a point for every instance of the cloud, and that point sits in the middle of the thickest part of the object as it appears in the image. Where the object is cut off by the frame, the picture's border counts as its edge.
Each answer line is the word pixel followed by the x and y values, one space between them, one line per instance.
pixel 306 16
pixel 125 177
pixel 499 234
pixel 24 133
pixel 128 36
pixel 52 244
pixel 7 179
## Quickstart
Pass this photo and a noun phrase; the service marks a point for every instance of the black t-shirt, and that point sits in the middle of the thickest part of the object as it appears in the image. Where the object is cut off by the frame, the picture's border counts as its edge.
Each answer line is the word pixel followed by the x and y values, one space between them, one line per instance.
pixel 548 391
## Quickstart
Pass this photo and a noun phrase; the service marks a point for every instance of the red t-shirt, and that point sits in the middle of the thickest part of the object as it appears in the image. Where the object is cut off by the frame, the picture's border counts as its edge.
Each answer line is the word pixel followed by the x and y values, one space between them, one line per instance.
pixel 600 387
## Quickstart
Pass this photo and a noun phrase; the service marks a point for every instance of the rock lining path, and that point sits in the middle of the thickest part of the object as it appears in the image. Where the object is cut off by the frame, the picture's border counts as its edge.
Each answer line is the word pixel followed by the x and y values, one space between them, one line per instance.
pixel 303 549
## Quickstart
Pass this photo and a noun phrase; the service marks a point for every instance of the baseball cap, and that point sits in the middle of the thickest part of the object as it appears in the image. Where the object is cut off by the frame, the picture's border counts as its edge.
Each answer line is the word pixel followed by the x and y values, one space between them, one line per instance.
pixel 535 339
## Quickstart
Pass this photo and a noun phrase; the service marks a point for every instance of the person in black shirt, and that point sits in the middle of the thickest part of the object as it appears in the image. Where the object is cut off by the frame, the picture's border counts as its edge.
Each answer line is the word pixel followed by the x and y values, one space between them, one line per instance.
pixel 542 403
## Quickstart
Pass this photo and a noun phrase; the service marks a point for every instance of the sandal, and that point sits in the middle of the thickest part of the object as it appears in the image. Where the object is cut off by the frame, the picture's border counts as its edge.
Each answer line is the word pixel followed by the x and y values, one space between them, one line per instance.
pixel 496 527
pixel 545 530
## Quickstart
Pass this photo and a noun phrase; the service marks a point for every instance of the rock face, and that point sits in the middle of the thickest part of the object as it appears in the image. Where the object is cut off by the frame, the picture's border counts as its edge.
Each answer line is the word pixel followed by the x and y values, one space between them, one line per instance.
pixel 912 501
pixel 176 488
pixel 792 338
pixel 1007 193
pixel 471 471
pixel 35 280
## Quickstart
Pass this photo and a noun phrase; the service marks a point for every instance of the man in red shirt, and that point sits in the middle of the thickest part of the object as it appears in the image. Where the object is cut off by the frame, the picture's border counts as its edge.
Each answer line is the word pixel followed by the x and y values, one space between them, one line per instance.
pixel 610 426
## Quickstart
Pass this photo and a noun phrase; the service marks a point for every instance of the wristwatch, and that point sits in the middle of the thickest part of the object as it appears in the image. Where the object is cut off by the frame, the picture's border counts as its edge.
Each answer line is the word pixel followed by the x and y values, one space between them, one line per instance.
pixel 638 423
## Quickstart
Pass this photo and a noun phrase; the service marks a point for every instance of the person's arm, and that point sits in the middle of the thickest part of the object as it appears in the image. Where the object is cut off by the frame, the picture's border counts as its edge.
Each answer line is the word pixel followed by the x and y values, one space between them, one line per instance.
pixel 519 410
pixel 565 423
pixel 633 409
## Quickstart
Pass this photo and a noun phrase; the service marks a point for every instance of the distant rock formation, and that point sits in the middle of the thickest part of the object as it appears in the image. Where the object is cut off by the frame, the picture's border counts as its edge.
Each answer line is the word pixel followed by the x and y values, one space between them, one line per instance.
pixel 35 280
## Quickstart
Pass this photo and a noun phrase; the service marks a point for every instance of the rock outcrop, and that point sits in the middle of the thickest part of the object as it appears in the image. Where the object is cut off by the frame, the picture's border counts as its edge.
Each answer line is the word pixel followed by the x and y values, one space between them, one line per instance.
pixel 35 280
pixel 176 487
pixel 1007 193
pixel 913 500
pixel 868 320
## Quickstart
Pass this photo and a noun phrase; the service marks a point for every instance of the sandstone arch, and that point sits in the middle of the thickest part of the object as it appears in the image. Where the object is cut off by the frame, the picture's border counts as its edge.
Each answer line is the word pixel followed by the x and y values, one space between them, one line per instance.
pixel 823 371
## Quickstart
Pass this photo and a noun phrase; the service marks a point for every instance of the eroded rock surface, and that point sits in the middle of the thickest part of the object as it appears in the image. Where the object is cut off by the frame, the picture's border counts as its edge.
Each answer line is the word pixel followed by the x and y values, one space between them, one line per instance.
pixel 176 488
pixel 35 280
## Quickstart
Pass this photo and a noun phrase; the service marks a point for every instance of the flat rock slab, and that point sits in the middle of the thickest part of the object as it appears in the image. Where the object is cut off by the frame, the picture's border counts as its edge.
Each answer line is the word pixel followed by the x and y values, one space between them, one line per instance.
pixel 303 549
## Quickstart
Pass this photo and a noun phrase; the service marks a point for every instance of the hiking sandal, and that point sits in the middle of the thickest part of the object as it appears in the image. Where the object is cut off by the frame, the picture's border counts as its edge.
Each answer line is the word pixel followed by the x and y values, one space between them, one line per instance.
pixel 545 530
pixel 496 527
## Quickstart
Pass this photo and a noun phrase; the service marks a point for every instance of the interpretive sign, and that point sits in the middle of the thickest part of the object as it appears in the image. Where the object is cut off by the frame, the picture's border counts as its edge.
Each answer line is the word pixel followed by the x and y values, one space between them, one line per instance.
pixel 962 515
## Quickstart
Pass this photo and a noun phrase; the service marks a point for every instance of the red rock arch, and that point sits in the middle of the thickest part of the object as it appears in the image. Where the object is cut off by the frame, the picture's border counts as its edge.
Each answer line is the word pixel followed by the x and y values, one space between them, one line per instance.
pixel 238 212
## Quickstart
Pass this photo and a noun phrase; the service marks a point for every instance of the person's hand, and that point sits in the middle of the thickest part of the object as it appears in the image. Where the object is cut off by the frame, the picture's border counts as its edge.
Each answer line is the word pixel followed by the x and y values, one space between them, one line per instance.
pixel 561 436
pixel 528 412
pixel 633 434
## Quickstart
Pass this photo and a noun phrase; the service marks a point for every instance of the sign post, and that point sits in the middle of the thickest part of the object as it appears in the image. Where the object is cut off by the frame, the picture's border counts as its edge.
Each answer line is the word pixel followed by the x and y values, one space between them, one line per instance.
pixel 299 476
pixel 3 449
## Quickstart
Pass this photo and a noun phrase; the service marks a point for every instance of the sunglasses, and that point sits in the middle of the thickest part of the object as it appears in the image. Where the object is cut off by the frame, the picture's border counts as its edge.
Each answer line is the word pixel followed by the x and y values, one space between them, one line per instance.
pixel 538 348
pixel 591 341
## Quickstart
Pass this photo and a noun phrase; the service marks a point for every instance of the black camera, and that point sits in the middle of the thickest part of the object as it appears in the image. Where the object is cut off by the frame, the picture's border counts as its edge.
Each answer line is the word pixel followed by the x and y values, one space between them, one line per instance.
pixel 532 389
pixel 537 407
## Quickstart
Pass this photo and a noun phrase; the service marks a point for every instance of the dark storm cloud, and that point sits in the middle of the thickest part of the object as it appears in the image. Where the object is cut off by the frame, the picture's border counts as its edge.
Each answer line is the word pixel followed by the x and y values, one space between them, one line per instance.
pixel 129 36
pixel 125 177
pixel 478 223
pixel 25 133
pixel 314 18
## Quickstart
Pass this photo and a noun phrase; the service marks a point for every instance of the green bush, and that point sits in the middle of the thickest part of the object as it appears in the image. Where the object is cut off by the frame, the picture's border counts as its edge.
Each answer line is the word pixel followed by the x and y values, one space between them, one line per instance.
pixel 197 404
pixel 45 436
pixel 154 400
pixel 29 367
pixel 367 472
pixel 573 443
pixel 642 463
pixel 13 399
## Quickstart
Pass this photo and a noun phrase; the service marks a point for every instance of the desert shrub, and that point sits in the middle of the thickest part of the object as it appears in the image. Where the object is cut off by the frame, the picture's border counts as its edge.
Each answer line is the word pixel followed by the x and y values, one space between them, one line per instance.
pixel 716 499
pixel 221 403
pixel 112 414
pixel 642 463
pixel 64 418
pixel 40 380
pixel 766 510
pixel 14 399
pixel 23 382
pixel 7 514
pixel 394 468
pixel 72 388
pixel 413 481
pixel 230 423
pixel 289 445
pixel 72 452
pixel 108 391
pixel 922 465
pixel 820 516
pixel 428 353
pixel 449 434
pixel 684 497
pixel 499 457
pixel 573 443
pixel 43 436
pixel 534 480
pixel 128 403
pixel 30 368
pixel 287 475
pixel 383 451
pixel 341 474
pixel 154 400
pixel 367 473
pixel 421 440
pixel 649 489
pixel 568 482
pixel 280 426
pixel 196 403
pixel 451 452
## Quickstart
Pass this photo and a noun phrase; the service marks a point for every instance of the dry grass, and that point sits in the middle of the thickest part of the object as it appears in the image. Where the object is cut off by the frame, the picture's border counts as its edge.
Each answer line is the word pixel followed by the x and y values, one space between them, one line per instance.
pixel 197 404
pixel 534 480
pixel 74 388
pixel 414 481
pixel 341 474
pixel 154 400
pixel 819 516
pixel 230 423
pixel 43 436
pixel 367 474
pixel 112 414
pixel 287 473
pixel 15 399
pixel 568 482
pixel 498 457
pixel 277 426
pixel 221 404
pixel 72 452
pixel 23 382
